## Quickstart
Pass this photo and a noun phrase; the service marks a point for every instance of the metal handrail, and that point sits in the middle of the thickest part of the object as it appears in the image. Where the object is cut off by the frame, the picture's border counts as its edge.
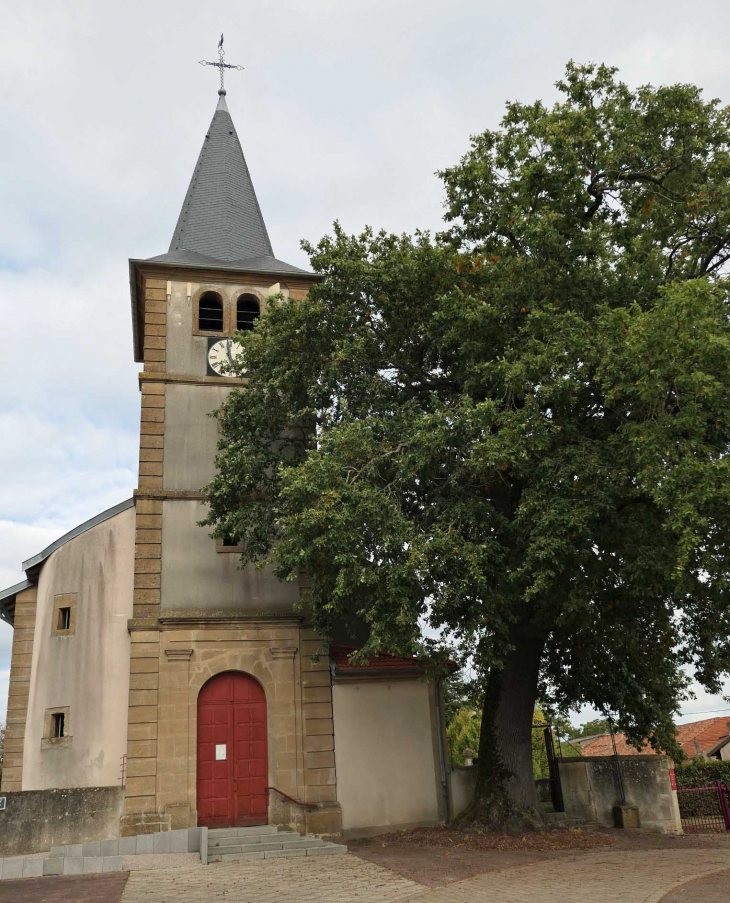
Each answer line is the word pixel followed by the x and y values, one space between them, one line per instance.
pixel 292 800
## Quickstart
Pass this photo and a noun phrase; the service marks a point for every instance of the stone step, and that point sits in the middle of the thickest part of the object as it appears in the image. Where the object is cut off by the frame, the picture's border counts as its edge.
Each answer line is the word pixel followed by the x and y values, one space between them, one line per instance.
pixel 272 837
pixel 299 844
pixel 242 832
pixel 320 849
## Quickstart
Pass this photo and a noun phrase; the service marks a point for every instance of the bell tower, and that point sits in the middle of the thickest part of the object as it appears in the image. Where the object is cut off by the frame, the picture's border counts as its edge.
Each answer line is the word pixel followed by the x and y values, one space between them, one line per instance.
pixel 196 613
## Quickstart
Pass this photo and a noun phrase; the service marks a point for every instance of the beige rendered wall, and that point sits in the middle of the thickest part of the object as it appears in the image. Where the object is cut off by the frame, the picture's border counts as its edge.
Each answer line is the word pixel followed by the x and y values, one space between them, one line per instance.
pixel 87 671
pixel 196 577
pixel 386 754
pixel 191 436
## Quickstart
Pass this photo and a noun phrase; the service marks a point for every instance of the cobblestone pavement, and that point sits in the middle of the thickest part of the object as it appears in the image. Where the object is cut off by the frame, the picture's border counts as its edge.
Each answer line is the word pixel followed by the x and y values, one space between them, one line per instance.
pixel 321 879
pixel 629 877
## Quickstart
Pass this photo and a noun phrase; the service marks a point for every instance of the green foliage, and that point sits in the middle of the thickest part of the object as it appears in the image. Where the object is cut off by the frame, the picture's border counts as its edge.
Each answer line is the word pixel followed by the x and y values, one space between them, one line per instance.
pixel 460 692
pixel 591 728
pixel 517 432
pixel 702 773
pixel 463 733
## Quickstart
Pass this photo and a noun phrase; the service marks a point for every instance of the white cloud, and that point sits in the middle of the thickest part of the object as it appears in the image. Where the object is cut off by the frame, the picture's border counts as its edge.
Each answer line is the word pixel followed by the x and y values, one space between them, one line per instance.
pixel 344 111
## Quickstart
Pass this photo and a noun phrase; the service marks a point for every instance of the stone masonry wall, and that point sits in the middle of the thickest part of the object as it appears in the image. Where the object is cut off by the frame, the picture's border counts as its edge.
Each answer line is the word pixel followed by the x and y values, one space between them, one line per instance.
pixel 591 789
pixel 19 689
pixel 36 820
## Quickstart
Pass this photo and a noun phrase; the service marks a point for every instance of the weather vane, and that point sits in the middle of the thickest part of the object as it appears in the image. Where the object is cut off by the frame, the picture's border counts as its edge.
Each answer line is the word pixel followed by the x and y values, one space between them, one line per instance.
pixel 222 65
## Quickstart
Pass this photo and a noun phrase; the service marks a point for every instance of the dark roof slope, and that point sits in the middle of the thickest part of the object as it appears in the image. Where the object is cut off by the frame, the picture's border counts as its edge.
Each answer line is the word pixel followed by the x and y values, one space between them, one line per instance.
pixel 385 661
pixel 265 264
pixel 220 216
pixel 7 601
pixel 32 565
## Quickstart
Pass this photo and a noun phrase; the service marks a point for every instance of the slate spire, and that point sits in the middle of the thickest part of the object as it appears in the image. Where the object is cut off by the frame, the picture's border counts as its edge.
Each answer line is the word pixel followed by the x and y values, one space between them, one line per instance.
pixel 221 217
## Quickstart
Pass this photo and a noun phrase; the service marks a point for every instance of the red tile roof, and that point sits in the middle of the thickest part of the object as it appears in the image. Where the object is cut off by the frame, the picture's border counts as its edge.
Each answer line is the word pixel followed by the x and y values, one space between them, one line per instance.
pixel 382 662
pixel 706 733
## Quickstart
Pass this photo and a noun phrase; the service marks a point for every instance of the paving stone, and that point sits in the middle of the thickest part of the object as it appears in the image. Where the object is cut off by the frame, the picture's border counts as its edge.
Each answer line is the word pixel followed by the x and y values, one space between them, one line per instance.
pixel 127 846
pixel 58 851
pixel 179 841
pixel 92 864
pixel 280 854
pixel 145 844
pixel 13 868
pixel 73 865
pixel 73 850
pixel 112 864
pixel 109 848
pixel 161 842
pixel 194 835
pixel 33 868
pixel 52 866
pixel 333 849
pixel 92 848
pixel 237 857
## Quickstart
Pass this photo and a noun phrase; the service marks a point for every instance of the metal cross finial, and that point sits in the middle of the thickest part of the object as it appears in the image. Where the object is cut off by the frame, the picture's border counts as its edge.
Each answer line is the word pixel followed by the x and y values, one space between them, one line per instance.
pixel 221 64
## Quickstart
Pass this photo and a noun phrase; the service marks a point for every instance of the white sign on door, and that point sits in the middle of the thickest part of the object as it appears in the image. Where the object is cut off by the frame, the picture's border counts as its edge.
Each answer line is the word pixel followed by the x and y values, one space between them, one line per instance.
pixel 220 752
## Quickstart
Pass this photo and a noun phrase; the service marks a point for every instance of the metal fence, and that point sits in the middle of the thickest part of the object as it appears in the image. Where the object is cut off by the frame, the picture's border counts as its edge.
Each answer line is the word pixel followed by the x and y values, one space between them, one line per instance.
pixel 705 808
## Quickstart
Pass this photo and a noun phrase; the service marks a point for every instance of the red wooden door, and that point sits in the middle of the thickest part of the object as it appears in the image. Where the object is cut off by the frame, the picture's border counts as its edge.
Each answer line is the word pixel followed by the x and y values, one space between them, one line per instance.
pixel 232 753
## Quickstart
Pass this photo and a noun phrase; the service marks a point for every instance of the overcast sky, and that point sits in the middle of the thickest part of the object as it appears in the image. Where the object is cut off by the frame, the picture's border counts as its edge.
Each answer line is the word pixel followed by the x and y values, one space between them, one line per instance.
pixel 345 110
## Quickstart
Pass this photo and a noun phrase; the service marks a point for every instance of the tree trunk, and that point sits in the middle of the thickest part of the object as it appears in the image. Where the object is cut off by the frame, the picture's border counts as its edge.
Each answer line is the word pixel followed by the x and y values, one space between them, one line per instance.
pixel 505 798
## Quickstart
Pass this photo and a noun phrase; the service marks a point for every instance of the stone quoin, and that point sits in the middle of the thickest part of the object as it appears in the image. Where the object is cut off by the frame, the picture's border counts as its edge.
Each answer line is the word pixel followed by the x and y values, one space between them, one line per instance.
pixel 137 636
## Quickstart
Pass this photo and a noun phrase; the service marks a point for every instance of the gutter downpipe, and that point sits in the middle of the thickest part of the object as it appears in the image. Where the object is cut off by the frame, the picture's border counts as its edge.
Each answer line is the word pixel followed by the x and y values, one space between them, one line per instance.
pixel 442 758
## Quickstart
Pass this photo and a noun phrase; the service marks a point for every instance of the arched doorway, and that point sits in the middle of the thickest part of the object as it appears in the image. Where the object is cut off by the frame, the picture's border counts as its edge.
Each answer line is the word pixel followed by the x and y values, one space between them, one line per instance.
pixel 232 752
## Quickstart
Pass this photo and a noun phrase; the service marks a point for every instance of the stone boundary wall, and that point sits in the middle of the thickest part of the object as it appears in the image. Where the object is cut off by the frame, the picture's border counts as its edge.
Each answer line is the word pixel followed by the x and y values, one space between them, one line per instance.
pixel 462 781
pixel 36 820
pixel 591 789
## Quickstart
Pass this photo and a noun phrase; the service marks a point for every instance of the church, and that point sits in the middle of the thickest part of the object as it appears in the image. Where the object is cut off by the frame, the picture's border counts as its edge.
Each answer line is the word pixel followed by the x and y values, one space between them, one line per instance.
pixel 144 659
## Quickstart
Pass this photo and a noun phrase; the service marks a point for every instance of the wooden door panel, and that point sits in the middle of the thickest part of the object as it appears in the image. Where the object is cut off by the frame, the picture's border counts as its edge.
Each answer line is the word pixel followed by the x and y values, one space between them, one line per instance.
pixel 232 712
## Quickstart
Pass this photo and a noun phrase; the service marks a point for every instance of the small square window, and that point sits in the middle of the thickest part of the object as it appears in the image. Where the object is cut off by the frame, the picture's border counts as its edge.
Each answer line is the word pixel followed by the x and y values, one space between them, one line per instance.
pixel 57 728
pixel 64 614
pixel 229 544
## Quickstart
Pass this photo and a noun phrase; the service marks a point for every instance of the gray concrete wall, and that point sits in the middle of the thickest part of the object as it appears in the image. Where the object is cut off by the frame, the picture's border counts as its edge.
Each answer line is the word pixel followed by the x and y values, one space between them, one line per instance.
pixel 87 671
pixel 591 789
pixel 386 755
pixel 196 577
pixel 462 781
pixel 35 821
pixel 191 436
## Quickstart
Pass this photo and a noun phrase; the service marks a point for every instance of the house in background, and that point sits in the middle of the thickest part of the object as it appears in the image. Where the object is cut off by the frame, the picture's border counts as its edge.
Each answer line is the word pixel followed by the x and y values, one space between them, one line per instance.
pixel 709 739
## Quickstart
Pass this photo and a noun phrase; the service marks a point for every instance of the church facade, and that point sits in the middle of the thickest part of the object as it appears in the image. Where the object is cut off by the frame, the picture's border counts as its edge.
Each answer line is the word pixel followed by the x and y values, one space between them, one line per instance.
pixel 145 658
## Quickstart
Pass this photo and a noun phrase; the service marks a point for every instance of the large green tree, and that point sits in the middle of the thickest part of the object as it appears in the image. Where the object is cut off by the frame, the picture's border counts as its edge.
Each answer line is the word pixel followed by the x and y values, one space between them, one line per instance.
pixel 515 433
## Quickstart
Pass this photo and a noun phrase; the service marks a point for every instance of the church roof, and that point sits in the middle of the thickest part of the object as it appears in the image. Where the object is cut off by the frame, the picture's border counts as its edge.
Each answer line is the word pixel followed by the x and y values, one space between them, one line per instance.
pixel 266 264
pixel 220 222
pixel 220 226
pixel 32 565
pixel 384 661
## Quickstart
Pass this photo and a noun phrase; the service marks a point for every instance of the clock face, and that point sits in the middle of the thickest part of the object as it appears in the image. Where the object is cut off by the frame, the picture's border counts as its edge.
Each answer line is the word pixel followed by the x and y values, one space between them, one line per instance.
pixel 222 352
